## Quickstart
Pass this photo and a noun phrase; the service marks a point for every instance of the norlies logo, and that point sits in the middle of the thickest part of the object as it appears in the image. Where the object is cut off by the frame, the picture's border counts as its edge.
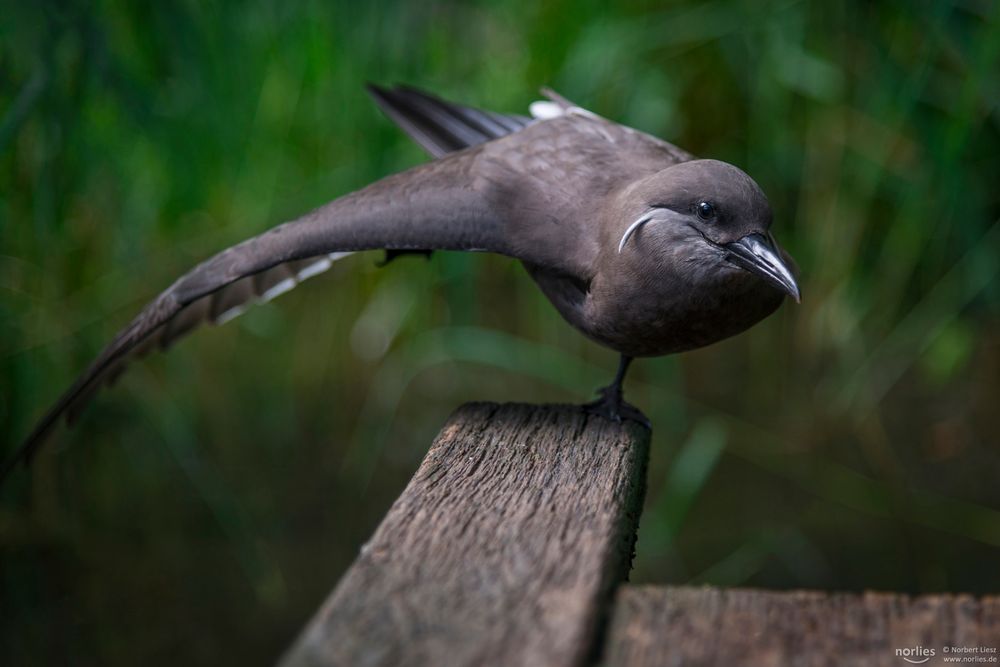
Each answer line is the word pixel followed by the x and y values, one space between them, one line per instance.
pixel 916 655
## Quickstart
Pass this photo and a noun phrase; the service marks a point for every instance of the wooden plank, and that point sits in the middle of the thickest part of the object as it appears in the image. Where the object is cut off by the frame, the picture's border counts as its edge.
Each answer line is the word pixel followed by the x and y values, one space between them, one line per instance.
pixel 504 549
pixel 700 627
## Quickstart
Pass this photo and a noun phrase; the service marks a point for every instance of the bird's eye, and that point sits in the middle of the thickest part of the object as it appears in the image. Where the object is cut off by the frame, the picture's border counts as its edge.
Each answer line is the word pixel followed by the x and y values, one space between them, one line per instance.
pixel 705 210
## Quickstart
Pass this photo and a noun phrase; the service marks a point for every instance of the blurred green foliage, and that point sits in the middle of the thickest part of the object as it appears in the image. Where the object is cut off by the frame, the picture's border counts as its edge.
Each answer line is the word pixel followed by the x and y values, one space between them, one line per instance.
pixel 201 509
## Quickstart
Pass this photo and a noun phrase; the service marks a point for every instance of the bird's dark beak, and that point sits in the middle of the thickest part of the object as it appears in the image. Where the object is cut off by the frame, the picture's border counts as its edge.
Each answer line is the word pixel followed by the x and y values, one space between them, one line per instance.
pixel 759 255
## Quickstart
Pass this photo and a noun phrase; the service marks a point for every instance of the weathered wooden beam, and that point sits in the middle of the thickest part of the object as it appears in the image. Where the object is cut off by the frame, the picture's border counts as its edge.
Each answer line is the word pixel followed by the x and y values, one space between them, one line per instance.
pixel 701 627
pixel 504 549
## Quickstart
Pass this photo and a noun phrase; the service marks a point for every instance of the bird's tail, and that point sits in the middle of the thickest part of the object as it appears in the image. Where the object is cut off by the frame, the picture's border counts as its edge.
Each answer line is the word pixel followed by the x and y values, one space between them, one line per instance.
pixel 442 127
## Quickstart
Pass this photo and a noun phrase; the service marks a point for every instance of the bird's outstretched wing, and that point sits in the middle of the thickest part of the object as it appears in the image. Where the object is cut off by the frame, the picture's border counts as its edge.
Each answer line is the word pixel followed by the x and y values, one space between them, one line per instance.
pixel 458 202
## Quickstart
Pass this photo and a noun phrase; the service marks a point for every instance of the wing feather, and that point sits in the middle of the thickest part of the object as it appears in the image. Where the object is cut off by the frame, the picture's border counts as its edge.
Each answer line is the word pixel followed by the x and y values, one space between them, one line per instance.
pixel 441 127
pixel 426 207
pixel 457 202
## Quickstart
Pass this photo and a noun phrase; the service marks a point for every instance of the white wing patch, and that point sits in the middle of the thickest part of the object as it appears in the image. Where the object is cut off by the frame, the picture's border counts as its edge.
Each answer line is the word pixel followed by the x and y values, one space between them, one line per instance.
pixel 546 109
pixel 230 314
pixel 232 300
pixel 217 308
pixel 543 110
pixel 277 290
pixel 277 280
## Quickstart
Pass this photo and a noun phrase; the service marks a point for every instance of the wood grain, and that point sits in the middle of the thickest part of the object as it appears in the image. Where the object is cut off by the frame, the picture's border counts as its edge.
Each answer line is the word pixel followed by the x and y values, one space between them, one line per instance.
pixel 504 549
pixel 699 627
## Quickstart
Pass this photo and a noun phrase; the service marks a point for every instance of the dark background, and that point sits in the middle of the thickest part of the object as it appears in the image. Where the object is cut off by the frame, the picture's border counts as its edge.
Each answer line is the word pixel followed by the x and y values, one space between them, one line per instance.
pixel 204 506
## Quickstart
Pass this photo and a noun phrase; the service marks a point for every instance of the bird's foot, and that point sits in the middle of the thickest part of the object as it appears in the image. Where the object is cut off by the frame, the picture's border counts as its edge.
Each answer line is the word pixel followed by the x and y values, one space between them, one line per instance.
pixel 611 405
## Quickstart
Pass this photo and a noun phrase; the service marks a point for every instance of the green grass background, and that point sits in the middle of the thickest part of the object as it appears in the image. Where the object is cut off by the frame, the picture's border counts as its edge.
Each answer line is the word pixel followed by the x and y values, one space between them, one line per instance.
pixel 203 507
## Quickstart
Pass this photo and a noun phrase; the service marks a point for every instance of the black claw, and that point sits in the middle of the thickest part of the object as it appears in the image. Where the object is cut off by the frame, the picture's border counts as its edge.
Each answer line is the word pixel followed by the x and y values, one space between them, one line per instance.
pixel 611 405
pixel 633 413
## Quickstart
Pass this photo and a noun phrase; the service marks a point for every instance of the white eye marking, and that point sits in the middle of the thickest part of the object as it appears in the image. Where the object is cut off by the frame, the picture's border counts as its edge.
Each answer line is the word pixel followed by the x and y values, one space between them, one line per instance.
pixel 631 229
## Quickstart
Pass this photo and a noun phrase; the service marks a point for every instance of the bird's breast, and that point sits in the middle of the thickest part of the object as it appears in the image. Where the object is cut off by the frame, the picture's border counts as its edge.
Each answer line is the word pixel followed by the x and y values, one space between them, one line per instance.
pixel 658 315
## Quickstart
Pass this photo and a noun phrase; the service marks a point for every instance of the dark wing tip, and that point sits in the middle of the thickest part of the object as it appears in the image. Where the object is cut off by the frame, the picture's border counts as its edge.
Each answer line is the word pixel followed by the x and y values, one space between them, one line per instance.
pixel 104 370
pixel 28 449
pixel 69 406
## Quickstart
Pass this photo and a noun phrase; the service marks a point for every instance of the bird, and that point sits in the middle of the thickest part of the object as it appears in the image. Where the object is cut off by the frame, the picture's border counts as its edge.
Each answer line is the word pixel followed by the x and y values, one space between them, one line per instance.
pixel 639 245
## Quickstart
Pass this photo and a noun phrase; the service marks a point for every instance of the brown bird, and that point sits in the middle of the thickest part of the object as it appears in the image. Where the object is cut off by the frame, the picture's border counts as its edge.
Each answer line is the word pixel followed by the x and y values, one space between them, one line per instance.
pixel 639 245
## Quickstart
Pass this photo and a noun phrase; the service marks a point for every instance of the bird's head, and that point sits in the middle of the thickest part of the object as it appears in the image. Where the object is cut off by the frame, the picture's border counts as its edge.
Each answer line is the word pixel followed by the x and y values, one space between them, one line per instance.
pixel 707 213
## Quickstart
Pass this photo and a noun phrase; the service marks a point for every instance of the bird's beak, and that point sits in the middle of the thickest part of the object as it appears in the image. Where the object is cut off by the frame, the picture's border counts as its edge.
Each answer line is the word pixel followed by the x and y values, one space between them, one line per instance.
pixel 759 255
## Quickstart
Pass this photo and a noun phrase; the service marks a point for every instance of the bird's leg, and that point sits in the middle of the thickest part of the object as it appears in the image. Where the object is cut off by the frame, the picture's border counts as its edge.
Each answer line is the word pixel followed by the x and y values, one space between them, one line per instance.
pixel 611 405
